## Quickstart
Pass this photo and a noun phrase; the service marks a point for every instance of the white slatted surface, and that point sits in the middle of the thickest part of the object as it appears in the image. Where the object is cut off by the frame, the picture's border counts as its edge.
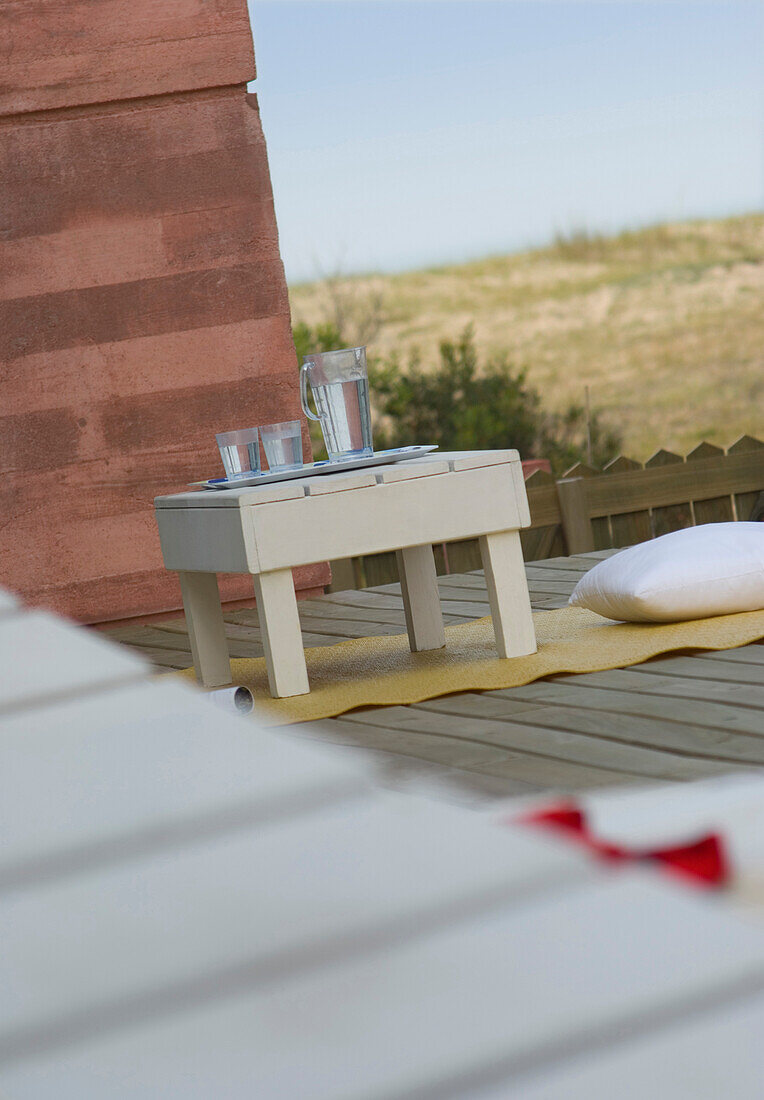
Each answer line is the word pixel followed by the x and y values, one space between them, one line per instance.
pixel 7 602
pixel 299 893
pixel 193 907
pixel 134 765
pixel 422 1017
pixel 42 656
pixel 701 1055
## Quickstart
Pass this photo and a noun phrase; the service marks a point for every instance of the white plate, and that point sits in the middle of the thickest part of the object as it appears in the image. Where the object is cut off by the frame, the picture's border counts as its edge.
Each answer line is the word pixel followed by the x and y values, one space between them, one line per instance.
pixel 379 458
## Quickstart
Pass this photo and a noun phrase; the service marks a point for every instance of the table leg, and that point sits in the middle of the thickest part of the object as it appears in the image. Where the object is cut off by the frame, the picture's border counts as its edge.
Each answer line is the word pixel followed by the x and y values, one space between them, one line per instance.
pixel 282 638
pixel 206 629
pixel 508 593
pixel 421 599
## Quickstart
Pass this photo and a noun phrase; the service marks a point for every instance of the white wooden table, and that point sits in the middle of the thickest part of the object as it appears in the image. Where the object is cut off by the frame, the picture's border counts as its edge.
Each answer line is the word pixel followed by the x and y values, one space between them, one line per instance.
pixel 192 906
pixel 406 507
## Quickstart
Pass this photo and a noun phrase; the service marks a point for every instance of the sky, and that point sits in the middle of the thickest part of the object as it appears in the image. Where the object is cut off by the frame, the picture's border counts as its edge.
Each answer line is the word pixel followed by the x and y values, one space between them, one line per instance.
pixel 414 133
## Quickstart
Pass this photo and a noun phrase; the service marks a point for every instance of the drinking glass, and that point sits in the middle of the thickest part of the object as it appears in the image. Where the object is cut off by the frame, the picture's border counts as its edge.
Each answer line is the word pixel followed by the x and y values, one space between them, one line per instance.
pixel 240 452
pixel 283 445
pixel 340 387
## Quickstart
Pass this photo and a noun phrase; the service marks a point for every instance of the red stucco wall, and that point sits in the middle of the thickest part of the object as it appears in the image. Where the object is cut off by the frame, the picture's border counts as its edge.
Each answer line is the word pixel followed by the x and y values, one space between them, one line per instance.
pixel 143 305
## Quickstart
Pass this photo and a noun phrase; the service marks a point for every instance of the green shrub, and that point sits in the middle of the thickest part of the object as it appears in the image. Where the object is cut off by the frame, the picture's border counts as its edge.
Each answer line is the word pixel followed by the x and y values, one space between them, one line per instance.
pixel 462 405
pixel 307 340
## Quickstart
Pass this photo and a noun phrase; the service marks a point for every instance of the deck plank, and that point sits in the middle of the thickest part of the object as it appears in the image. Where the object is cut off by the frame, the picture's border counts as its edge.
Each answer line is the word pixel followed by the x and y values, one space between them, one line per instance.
pixel 165 660
pixel 705 668
pixel 577 736
pixel 310 609
pixel 640 680
pixel 668 739
pixel 533 771
pixel 752 654
pixel 362 597
pixel 700 713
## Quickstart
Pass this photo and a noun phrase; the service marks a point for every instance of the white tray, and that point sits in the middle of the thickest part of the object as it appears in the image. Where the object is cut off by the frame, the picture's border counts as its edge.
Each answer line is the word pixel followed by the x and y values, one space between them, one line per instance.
pixel 379 458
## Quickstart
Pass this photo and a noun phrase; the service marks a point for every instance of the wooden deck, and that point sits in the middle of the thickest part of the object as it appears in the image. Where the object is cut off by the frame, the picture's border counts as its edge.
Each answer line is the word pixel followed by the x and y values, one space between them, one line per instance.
pixel 682 717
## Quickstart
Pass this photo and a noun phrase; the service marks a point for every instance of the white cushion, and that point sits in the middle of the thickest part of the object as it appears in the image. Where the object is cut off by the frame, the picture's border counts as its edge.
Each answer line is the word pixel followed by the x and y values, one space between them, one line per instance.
pixel 714 569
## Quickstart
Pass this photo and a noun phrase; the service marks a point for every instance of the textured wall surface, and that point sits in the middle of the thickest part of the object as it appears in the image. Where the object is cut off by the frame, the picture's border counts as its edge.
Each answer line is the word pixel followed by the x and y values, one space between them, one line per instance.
pixel 143 305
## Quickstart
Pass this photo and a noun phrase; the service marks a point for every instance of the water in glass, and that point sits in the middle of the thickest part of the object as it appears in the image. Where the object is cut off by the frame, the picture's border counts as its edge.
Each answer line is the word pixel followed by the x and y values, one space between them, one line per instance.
pixel 282 444
pixel 240 452
pixel 240 459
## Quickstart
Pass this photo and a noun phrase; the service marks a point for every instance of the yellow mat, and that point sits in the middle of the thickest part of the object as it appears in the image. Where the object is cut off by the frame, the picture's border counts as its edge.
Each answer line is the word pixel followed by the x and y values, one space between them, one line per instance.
pixel 383 671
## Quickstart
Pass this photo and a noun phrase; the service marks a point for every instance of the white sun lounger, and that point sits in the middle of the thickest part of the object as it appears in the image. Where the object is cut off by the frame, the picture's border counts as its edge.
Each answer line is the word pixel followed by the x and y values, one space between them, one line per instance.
pixel 191 906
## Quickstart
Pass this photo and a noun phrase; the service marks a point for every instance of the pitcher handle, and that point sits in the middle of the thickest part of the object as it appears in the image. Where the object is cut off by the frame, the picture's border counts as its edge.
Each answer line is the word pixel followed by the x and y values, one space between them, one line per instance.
pixel 304 393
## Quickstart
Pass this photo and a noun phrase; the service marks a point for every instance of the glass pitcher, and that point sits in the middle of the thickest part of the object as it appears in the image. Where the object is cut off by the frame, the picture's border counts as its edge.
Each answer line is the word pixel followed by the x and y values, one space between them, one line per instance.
pixel 340 387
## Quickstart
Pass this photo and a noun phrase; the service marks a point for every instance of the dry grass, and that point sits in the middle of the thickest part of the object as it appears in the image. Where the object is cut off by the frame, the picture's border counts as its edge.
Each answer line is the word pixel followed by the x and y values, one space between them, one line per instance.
pixel 665 325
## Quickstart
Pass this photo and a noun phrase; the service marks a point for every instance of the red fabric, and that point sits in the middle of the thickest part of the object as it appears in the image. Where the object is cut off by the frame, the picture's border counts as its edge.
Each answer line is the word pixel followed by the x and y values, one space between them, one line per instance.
pixel 704 861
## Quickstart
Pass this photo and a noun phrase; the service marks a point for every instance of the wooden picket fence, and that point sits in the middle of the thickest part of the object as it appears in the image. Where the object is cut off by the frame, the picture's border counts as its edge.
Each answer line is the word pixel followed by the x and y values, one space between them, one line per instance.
pixel 621 505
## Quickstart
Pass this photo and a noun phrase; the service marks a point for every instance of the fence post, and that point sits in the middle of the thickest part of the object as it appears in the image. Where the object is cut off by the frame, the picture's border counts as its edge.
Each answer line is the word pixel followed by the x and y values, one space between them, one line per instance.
pixel 576 524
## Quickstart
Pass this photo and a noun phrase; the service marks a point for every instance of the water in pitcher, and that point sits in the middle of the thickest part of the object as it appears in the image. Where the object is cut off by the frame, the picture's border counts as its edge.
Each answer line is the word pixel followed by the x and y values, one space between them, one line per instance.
pixel 343 408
